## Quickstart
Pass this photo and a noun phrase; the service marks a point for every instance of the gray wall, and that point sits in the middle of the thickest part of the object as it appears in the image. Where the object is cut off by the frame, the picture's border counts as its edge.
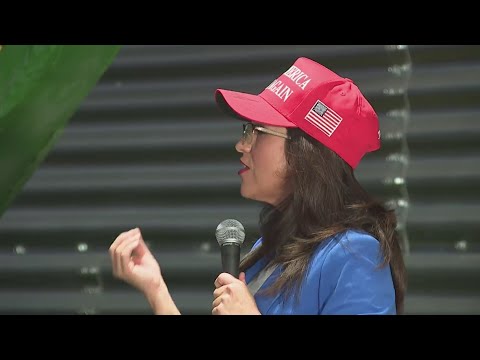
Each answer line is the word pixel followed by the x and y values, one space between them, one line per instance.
pixel 148 148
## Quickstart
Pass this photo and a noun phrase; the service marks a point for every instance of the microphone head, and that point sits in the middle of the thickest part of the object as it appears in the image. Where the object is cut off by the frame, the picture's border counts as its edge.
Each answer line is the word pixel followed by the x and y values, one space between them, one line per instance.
pixel 230 231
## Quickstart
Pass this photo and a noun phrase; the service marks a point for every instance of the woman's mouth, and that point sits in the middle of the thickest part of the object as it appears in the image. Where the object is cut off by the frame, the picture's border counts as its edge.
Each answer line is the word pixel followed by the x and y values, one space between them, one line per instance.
pixel 244 169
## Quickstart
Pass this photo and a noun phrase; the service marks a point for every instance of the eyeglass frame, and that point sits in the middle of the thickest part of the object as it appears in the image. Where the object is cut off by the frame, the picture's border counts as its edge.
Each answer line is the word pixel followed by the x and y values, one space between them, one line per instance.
pixel 261 129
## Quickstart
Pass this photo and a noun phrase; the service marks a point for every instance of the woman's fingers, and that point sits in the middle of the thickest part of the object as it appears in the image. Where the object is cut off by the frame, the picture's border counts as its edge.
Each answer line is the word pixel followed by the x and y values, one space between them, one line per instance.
pixel 121 250
pixel 126 255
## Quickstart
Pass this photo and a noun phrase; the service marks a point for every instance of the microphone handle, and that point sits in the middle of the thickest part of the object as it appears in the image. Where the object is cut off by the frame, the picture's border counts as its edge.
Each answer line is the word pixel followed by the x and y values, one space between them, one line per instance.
pixel 231 258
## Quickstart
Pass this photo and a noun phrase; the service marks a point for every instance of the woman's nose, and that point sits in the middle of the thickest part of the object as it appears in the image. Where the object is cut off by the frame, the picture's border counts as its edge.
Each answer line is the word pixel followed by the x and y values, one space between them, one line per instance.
pixel 241 147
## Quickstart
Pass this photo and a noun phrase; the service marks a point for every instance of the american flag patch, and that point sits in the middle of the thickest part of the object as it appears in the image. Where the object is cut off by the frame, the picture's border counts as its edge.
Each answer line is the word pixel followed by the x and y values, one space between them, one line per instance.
pixel 323 118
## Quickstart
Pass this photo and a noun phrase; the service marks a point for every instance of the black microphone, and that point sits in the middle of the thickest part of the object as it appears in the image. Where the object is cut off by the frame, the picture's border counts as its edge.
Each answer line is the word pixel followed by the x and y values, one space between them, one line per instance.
pixel 230 235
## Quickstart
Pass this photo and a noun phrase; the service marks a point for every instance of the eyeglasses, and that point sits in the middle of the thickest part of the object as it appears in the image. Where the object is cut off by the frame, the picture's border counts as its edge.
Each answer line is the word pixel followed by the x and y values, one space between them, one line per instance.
pixel 249 128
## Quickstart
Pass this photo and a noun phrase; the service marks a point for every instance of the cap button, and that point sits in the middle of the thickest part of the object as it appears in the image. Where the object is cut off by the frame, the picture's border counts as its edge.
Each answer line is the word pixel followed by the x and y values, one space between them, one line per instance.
pixel 343 93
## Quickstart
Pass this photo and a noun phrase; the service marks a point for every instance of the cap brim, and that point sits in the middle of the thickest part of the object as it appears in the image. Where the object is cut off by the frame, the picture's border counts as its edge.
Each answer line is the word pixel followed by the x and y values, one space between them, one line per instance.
pixel 250 107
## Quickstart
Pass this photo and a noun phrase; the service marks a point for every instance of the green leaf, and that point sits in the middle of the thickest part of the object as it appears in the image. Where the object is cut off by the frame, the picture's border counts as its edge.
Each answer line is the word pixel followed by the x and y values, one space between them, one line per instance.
pixel 41 87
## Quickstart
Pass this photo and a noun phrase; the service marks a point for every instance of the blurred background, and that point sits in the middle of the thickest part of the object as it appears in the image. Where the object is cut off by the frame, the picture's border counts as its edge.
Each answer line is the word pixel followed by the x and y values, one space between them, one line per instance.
pixel 148 148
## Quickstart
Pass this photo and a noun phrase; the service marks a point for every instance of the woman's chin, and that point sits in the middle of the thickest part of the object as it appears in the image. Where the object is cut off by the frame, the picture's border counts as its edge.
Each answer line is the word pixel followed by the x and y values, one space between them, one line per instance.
pixel 246 194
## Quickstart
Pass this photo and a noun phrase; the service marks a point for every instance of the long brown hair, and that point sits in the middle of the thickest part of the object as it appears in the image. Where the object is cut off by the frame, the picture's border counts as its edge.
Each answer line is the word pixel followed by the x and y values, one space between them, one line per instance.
pixel 325 200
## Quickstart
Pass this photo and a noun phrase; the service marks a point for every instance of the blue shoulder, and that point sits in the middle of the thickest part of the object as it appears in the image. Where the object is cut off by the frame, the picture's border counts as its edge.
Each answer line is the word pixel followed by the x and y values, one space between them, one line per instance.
pixel 351 277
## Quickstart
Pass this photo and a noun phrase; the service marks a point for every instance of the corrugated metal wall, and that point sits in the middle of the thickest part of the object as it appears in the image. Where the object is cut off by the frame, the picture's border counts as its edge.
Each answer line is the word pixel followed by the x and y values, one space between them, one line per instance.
pixel 149 148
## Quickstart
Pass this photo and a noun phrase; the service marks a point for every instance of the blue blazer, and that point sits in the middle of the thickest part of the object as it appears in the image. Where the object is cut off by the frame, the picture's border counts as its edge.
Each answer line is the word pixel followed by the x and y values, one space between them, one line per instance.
pixel 343 278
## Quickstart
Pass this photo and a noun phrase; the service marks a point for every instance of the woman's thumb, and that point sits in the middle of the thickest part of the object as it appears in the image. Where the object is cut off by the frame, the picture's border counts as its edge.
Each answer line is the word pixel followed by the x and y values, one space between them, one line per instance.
pixel 241 277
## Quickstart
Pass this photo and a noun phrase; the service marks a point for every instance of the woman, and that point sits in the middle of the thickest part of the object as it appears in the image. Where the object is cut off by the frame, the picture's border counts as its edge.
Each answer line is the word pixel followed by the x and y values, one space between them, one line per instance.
pixel 327 246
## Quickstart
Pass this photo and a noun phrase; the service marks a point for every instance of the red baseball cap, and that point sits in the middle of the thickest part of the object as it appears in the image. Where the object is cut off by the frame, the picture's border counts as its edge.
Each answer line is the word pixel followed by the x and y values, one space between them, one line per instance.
pixel 323 104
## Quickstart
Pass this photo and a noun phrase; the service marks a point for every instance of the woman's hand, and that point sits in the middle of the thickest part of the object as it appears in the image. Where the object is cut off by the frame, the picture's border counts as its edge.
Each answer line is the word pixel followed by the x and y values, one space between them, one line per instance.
pixel 133 263
pixel 232 297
